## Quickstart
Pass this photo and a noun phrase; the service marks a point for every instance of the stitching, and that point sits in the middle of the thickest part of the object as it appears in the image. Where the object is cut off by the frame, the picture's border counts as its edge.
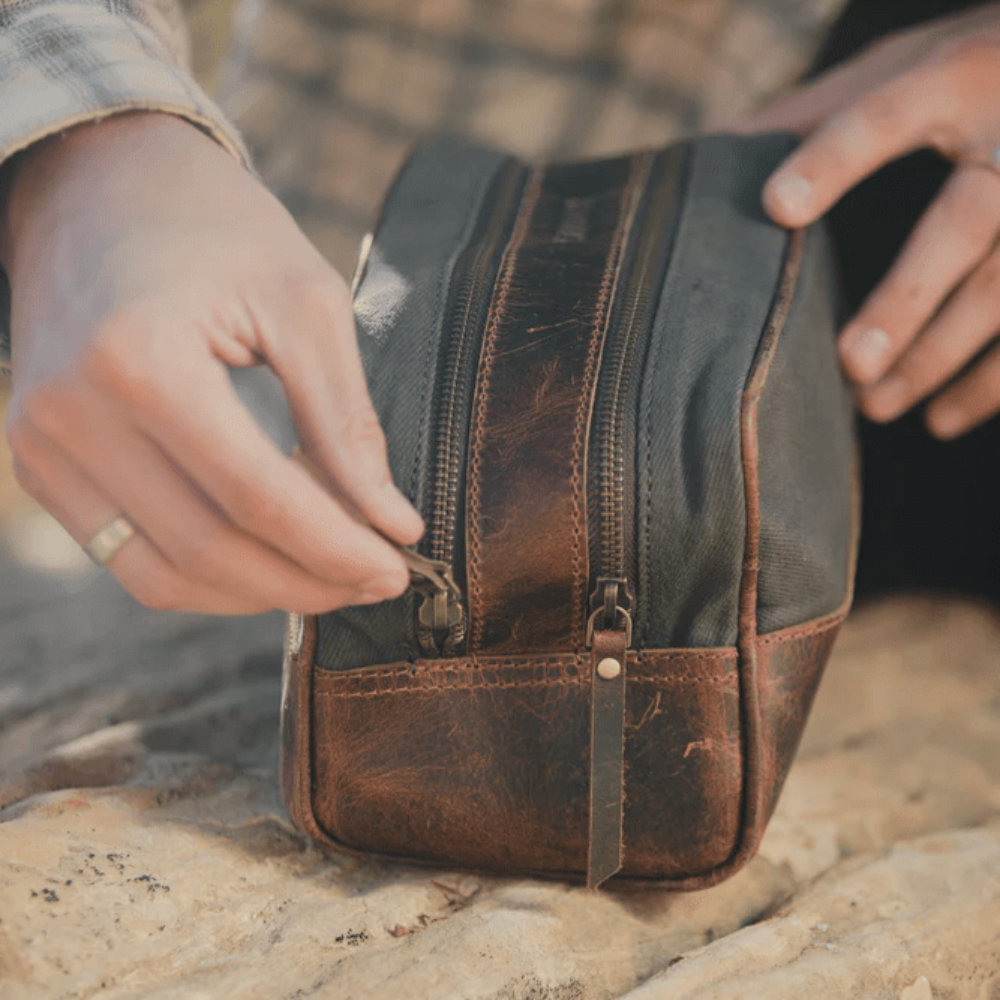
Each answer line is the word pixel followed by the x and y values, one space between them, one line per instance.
pixel 407 668
pixel 529 200
pixel 403 681
pixel 823 625
pixel 580 682
pixel 437 688
pixel 638 170
pixel 444 279
pixel 645 658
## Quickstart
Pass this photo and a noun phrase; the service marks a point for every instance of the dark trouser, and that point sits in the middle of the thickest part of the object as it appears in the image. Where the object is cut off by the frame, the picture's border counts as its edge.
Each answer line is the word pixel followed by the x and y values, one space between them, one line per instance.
pixel 931 518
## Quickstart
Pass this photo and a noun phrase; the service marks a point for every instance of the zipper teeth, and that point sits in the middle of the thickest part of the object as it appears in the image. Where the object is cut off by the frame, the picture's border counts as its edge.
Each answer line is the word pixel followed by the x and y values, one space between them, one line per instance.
pixel 612 456
pixel 448 465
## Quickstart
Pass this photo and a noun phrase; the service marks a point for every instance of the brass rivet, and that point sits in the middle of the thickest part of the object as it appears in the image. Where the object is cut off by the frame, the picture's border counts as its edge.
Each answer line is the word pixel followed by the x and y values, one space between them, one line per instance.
pixel 609 668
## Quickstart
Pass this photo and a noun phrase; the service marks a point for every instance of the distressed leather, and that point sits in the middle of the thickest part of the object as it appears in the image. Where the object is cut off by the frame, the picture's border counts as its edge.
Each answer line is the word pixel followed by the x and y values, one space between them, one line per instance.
pixel 607 755
pixel 462 763
pixel 527 519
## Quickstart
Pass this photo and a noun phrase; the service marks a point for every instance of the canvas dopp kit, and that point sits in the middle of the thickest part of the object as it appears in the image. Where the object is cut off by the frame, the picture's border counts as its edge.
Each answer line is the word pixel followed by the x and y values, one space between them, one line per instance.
pixel 612 391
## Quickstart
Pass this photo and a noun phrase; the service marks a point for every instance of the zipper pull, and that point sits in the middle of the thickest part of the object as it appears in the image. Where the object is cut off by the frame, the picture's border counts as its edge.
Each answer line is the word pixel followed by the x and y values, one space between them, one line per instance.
pixel 441 616
pixel 610 605
pixel 609 635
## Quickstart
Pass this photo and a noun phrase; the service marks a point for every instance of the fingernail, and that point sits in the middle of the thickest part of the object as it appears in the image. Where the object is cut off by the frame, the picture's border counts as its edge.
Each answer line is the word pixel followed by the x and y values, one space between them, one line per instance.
pixel 945 421
pixel 792 192
pixel 888 399
pixel 866 351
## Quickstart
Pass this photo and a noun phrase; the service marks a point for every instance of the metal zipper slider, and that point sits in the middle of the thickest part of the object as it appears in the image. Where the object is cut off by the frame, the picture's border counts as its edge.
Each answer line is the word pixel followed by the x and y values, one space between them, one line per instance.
pixel 441 615
pixel 610 603
pixel 442 605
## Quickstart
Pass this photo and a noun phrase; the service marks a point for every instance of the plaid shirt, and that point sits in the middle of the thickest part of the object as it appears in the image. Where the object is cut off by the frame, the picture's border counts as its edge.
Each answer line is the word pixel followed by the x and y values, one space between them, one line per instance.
pixel 330 94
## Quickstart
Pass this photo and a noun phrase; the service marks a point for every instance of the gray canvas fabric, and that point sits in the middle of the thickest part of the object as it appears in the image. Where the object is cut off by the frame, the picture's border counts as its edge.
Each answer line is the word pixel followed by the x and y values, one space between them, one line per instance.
pixel 715 302
pixel 806 456
pixel 716 299
pixel 399 308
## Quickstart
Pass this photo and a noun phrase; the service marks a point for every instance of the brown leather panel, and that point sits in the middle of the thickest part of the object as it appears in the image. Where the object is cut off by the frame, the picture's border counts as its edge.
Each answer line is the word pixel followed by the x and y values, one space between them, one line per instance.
pixel 485 764
pixel 789 668
pixel 684 765
pixel 607 754
pixel 526 525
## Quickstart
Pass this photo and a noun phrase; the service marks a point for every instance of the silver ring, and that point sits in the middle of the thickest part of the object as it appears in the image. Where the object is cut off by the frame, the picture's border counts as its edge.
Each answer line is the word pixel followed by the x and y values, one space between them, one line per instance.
pixel 103 546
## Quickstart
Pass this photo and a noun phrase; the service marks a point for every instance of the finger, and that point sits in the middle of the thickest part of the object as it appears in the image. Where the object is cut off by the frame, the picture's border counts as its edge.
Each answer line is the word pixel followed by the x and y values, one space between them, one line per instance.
pixel 47 475
pixel 967 323
pixel 973 399
pixel 326 388
pixel 215 440
pixel 948 242
pixel 189 532
pixel 894 119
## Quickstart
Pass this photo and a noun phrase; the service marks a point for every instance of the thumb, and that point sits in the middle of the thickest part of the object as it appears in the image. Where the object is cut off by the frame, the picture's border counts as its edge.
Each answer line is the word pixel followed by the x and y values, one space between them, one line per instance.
pixel 320 367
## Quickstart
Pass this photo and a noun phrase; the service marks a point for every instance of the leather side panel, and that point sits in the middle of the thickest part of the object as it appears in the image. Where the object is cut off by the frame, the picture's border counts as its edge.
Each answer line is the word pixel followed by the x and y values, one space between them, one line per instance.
pixel 789 668
pixel 526 525
pixel 484 764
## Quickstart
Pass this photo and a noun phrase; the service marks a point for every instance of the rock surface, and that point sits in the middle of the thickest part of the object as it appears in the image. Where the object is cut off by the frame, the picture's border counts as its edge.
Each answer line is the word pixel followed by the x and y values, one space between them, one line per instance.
pixel 146 852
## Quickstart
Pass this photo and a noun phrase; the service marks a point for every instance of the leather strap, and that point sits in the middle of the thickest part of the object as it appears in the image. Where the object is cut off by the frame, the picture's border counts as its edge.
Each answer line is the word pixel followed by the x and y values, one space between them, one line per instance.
pixel 607 755
pixel 526 514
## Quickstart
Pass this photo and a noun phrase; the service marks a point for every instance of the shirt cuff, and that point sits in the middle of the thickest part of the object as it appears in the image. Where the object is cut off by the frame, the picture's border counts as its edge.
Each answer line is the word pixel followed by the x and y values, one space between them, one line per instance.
pixel 65 63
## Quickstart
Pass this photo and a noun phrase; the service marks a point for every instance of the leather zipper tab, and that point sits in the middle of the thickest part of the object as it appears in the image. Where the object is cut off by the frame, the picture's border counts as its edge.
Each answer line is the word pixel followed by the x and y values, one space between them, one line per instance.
pixel 608 653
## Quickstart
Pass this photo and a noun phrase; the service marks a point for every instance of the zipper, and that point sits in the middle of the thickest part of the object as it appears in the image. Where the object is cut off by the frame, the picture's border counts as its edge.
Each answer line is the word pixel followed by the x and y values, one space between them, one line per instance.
pixel 613 539
pixel 441 615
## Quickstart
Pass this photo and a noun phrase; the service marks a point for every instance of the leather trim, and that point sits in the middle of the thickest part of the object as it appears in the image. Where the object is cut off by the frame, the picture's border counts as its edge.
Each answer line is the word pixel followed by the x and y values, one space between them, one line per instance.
pixel 526 525
pixel 423 762
pixel 754 800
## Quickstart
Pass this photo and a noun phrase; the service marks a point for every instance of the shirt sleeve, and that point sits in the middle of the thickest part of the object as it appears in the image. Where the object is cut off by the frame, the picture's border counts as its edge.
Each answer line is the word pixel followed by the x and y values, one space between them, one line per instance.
pixel 65 62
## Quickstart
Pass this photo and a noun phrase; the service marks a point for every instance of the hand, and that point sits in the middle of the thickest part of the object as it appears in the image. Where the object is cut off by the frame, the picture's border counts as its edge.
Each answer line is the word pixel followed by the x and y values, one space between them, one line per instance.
pixel 939 306
pixel 143 259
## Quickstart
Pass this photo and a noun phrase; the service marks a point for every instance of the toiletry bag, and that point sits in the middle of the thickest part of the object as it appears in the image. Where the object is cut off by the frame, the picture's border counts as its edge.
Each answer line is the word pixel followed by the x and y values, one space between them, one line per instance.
pixel 611 389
